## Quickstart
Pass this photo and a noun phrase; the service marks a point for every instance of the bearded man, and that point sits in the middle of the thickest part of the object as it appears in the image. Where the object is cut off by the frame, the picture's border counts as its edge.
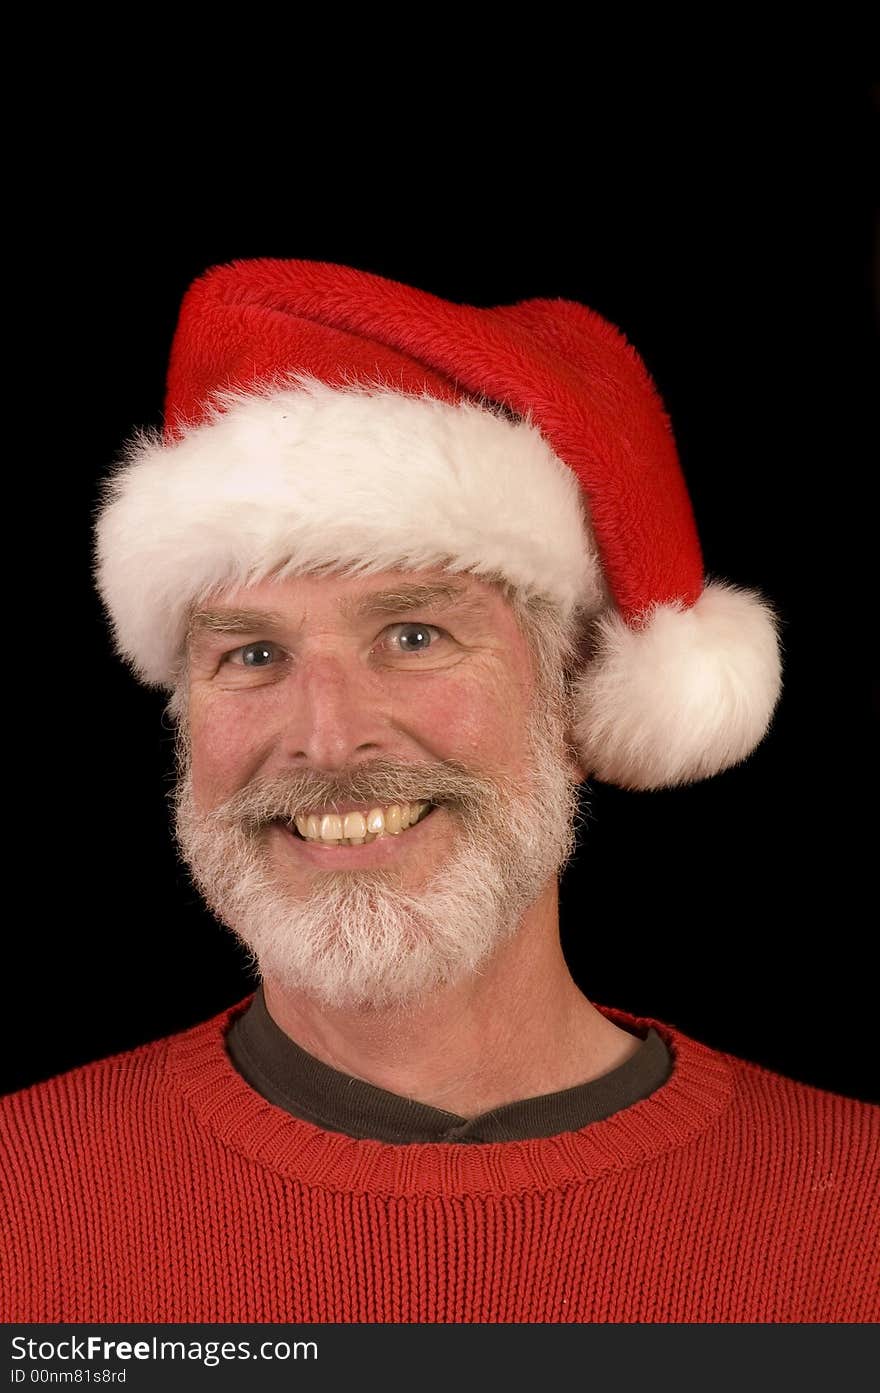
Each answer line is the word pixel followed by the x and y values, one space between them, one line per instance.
pixel 411 572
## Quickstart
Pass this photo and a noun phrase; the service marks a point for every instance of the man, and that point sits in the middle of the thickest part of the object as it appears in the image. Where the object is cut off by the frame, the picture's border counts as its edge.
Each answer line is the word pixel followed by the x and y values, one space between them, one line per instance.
pixel 411 572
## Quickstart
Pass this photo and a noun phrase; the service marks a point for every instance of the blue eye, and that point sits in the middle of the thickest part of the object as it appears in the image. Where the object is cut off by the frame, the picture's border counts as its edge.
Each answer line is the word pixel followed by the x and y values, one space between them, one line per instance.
pixel 262 654
pixel 419 633
pixel 414 638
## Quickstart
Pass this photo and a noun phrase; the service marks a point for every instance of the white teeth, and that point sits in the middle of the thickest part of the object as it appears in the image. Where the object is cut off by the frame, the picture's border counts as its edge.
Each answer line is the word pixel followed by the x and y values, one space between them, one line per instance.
pixel 356 829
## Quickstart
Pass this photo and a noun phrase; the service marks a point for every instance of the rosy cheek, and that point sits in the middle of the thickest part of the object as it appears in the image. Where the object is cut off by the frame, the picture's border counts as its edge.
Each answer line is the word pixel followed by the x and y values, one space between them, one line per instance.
pixel 222 756
pixel 453 723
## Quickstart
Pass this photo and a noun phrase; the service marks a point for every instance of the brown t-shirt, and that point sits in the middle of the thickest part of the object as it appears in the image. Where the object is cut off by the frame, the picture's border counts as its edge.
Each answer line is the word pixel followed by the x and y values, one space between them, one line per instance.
pixel 286 1075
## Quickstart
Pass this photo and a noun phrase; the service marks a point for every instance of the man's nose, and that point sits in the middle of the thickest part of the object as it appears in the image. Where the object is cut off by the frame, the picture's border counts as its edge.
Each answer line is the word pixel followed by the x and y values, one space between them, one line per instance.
pixel 338 712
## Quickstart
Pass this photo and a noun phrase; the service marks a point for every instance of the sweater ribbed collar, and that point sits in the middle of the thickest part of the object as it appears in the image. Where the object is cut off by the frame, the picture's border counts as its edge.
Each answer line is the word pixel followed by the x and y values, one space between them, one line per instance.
pixel 220 1101
pixel 291 1078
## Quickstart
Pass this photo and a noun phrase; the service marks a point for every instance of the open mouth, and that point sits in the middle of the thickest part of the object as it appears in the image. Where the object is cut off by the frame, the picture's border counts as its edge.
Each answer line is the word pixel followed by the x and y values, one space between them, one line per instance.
pixel 414 815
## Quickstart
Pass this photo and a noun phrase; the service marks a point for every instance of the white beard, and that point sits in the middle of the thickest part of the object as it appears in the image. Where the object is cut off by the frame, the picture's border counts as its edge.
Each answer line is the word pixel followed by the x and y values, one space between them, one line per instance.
pixel 358 938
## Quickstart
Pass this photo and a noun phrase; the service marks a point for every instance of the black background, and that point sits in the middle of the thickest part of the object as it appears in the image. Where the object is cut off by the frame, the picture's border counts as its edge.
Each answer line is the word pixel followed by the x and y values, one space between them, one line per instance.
pixel 731 240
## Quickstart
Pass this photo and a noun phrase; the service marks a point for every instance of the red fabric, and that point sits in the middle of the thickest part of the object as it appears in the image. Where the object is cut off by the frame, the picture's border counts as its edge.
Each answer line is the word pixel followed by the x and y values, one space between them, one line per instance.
pixel 591 396
pixel 157 1186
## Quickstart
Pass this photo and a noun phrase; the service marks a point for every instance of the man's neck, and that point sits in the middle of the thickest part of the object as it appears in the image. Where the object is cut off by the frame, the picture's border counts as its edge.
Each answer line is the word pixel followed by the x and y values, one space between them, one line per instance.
pixel 521 1029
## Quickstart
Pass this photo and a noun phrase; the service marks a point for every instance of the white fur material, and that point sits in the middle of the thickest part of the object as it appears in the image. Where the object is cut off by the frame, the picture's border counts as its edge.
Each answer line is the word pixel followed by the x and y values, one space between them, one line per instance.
pixel 304 476
pixel 360 479
pixel 688 696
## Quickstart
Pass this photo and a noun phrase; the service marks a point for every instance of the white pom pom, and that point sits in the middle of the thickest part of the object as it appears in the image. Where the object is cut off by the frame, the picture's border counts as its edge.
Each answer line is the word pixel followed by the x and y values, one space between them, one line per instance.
pixel 687 696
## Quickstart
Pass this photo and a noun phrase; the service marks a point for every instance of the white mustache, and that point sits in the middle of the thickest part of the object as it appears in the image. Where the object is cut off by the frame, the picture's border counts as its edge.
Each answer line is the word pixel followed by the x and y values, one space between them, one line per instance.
pixel 282 797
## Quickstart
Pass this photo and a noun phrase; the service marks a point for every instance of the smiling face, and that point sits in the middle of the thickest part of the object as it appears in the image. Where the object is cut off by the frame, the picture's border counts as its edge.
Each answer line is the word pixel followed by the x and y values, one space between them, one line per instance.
pixel 323 695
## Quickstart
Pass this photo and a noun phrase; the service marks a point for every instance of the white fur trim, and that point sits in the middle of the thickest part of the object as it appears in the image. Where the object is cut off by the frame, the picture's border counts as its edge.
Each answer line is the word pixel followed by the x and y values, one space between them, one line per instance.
pixel 689 695
pixel 302 476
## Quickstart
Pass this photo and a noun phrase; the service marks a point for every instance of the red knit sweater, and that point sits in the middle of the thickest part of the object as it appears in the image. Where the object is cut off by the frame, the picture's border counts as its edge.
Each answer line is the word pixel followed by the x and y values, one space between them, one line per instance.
pixel 158 1186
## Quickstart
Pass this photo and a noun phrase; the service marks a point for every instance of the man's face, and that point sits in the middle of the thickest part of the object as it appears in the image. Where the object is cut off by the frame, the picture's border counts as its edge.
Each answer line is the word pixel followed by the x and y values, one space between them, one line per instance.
pixel 314 696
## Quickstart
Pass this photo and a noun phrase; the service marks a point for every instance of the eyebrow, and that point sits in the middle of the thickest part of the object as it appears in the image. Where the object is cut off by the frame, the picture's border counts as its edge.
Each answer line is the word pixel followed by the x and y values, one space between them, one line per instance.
pixel 403 599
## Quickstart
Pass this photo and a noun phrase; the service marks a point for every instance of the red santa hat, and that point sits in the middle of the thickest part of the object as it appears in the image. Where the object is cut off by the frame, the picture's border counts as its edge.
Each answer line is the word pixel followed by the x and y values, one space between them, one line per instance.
pixel 320 417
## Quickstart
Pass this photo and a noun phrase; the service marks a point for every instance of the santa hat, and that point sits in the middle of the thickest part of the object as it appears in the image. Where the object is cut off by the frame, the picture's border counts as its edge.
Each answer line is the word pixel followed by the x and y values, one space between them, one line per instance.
pixel 320 417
